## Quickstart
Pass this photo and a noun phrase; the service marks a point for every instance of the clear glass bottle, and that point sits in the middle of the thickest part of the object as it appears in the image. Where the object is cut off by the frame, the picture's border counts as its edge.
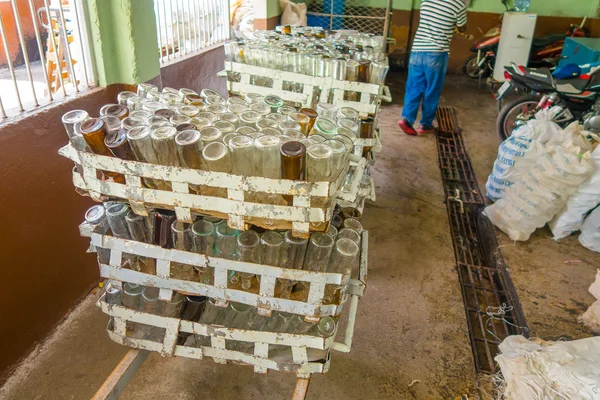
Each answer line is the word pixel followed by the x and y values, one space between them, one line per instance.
pixel 242 155
pixel 189 149
pixel 250 118
pixel 123 96
pixel 226 241
pixel 319 162
pixel 341 131
pixel 261 108
pixel 245 130
pixel 232 118
pixel 134 103
pixel 217 109
pixel 339 158
pixel 163 141
pixel 348 113
pixel 115 214
pixel 348 124
pixel 247 250
pixel 118 145
pixel 286 110
pixel 132 295
pixel 326 110
pixel 138 227
pixel 224 126
pixel 277 117
pixel 181 238
pixel 238 109
pixel 349 233
pixel 203 237
pixel 212 314
pixel 200 122
pixel 294 134
pixel 114 295
pixel 252 98
pixel 144 88
pixel 174 307
pixel 129 123
pixel 274 102
pixel 210 134
pixel 318 253
pixel 178 119
pixel 217 158
pixel 72 120
pixel 343 255
pixel 211 116
pixel 96 217
pixel 312 115
pixel 268 159
pixel 292 257
pixel 353 223
pixel 227 138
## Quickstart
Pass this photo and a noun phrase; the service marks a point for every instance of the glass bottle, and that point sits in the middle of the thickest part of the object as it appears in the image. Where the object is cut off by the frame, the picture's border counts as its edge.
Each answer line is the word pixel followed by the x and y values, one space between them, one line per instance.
pixel 286 110
pixel 236 316
pixel 242 155
pixel 252 98
pixel 214 99
pixel 349 233
pixel 277 117
pixel 238 109
pixel 274 102
pixel 339 157
pixel 115 214
pixel 123 96
pixel 118 145
pixel 348 124
pixel 312 115
pixel 132 295
pixel 232 118
pixel 170 98
pixel 236 100
pixel 341 131
pixel 117 110
pixel 224 126
pixel 163 141
pixel 217 157
pixel 181 239
pixel 163 219
pixel 338 66
pixel 227 138
pixel 203 237
pixel 318 253
pixel 260 108
pixel 247 251
pixel 96 217
pixel 332 231
pixel 112 123
pixel 353 223
pixel 226 241
pixel 210 134
pixel 152 106
pixel 292 257
pixel 265 123
pixel 204 93
pixel 268 159
pixel 189 149
pixel 367 132
pixel 301 119
pixel 326 110
pixel 293 160
pixel 94 133
pixel 130 122
pixel 343 255
pixel 194 100
pixel 144 88
pixel 211 116
pixel 348 113
pixel 319 162
pixel 174 307
pixel 363 70
pixel 212 314
pixel 193 307
pixel 295 134
pixel 141 146
pixel 114 295
pixel 245 130
pixel 200 122
pixel 137 227
pixel 216 109
pixel 72 120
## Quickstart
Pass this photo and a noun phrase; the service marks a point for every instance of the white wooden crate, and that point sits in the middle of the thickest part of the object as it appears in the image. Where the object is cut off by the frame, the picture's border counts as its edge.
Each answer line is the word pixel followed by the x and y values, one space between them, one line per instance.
pixel 333 92
pixel 299 344
pixel 299 217
pixel 311 85
pixel 265 299
pixel 367 193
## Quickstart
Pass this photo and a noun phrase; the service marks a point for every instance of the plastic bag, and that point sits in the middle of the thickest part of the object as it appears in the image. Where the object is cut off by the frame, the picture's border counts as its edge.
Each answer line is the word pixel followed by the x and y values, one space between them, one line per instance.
pixel 293 14
pixel 515 156
pixel 590 231
pixel 587 196
pixel 543 125
pixel 574 133
pixel 536 369
pixel 541 193
pixel 591 318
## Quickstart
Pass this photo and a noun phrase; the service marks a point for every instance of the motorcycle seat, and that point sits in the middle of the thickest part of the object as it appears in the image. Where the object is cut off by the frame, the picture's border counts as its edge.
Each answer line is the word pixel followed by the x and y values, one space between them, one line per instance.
pixel 547 40
pixel 572 85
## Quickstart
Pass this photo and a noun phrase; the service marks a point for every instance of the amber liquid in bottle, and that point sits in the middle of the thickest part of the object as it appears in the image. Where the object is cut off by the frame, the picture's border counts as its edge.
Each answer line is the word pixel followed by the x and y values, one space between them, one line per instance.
pixel 94 133
pixel 193 99
pixel 363 70
pixel 293 164
pixel 312 114
pixel 366 132
pixel 118 145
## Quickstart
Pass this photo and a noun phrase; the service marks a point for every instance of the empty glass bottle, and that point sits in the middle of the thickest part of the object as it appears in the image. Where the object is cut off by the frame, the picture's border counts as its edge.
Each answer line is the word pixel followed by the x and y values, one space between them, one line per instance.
pixel 247 251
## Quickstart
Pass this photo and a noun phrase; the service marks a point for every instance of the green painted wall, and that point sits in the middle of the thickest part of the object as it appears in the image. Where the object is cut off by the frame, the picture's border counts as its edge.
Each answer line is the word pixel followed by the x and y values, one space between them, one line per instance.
pixel 273 8
pixel 558 8
pixel 124 43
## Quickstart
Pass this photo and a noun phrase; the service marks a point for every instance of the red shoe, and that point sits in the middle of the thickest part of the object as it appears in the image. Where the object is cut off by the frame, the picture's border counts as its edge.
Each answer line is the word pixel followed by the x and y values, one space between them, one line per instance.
pixel 426 129
pixel 407 127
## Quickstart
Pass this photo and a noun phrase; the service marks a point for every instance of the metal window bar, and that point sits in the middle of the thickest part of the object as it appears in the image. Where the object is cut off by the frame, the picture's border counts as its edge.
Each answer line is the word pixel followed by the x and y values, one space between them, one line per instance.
pixel 186 27
pixel 56 67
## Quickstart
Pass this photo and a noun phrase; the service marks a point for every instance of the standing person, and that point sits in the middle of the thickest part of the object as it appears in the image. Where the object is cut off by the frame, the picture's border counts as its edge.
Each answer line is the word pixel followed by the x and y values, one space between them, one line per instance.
pixel 429 61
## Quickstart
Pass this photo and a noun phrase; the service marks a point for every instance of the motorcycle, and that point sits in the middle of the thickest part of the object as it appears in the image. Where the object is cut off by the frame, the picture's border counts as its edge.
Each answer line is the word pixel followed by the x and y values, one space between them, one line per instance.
pixel 578 97
pixel 545 50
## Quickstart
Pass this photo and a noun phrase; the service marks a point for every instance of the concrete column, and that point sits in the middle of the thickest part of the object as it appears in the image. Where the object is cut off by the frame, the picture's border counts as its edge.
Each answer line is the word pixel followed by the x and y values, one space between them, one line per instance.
pixel 123 40
pixel 266 14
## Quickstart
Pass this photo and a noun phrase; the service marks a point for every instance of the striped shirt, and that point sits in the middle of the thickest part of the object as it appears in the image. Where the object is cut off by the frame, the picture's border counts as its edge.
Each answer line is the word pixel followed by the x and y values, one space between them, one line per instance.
pixel 436 26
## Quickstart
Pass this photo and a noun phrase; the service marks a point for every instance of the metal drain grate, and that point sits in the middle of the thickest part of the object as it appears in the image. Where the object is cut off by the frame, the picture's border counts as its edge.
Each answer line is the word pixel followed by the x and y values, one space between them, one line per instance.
pixel 491 305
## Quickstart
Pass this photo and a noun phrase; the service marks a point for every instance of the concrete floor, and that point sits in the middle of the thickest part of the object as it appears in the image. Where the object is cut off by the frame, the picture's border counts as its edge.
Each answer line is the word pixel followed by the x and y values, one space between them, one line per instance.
pixel 411 322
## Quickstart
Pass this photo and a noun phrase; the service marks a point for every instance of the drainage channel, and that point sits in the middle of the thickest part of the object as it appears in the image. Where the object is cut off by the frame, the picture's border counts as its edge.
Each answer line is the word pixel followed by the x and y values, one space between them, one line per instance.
pixel 491 304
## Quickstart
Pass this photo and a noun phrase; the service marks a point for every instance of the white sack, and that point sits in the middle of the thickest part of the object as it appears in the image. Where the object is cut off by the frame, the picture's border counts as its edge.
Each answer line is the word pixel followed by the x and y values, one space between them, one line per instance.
pixel 543 126
pixel 540 370
pixel 590 231
pixel 573 133
pixel 293 14
pixel 541 193
pixel 587 196
pixel 591 318
pixel 515 156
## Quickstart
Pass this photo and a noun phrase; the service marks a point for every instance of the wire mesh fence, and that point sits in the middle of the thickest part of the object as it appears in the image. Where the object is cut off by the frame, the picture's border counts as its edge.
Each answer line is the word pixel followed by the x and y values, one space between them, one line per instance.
pixel 359 15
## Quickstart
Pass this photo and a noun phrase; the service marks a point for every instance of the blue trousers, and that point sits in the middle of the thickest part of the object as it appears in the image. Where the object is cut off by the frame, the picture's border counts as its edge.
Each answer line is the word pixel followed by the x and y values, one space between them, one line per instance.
pixel 426 74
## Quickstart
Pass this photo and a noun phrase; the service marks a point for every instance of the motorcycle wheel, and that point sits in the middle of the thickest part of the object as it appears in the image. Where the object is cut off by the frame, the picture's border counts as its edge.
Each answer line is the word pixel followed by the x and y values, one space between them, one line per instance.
pixel 472 70
pixel 512 114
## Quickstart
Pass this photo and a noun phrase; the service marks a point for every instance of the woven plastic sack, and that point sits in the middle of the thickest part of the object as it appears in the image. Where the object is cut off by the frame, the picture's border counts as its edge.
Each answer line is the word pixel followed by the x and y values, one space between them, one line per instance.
pixel 515 156
pixel 541 193
pixel 293 14
pixel 543 125
pixel 590 231
pixel 573 133
pixel 586 198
